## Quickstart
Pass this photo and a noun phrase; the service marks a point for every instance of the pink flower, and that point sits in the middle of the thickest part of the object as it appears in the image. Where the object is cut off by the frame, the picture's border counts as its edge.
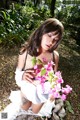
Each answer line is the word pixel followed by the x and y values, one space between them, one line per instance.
pixel 69 88
pixel 49 66
pixel 63 97
pixel 58 87
pixel 60 80
pixel 66 90
pixel 56 95
pixel 46 72
pixel 58 74
pixel 36 67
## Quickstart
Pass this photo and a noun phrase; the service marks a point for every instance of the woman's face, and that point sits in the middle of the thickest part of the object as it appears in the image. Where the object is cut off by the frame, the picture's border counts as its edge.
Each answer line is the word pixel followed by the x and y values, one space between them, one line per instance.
pixel 49 40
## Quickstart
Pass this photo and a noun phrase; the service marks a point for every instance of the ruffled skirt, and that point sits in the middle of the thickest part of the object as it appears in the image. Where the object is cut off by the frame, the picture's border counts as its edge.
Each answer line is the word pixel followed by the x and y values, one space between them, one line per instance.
pixel 35 94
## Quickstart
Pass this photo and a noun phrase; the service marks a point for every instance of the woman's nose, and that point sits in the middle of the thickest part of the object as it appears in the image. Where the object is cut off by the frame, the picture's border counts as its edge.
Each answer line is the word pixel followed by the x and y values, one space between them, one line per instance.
pixel 50 42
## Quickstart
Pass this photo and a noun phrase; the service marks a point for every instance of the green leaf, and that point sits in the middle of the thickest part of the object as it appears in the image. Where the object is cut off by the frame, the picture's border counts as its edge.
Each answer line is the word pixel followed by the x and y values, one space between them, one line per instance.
pixel 43 71
pixel 34 61
pixel 69 107
pixel 4 15
pixel 39 61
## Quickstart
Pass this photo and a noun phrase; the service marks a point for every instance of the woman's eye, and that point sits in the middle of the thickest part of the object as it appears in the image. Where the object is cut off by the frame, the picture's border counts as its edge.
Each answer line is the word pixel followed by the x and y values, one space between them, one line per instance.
pixel 54 40
pixel 49 35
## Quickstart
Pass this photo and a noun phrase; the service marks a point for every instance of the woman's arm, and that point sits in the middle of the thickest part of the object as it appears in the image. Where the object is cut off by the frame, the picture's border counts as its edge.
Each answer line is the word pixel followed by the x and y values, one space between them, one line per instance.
pixel 56 57
pixel 21 60
pixel 19 73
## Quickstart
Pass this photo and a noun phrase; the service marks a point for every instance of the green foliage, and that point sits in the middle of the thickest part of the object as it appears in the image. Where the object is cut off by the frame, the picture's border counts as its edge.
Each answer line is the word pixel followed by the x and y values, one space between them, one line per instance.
pixel 74 15
pixel 70 16
pixel 18 22
pixel 43 71
pixel 14 31
pixel 34 61
pixel 69 107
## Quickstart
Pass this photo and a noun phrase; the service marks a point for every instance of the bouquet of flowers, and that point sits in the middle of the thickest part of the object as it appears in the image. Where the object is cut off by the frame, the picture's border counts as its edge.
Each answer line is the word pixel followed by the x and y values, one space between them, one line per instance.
pixel 45 72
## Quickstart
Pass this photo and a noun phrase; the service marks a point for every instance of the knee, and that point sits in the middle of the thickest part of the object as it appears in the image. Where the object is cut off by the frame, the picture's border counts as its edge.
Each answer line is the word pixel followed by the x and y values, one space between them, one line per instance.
pixel 26 106
pixel 35 110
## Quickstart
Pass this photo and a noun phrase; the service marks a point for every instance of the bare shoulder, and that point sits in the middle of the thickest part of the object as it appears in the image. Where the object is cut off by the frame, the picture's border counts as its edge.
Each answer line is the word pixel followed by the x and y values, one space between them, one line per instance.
pixel 21 60
pixel 56 55
pixel 22 56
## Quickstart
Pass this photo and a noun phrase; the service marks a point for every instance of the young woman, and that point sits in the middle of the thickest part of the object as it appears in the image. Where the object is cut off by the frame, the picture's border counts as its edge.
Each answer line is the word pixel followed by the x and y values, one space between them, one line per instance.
pixel 42 44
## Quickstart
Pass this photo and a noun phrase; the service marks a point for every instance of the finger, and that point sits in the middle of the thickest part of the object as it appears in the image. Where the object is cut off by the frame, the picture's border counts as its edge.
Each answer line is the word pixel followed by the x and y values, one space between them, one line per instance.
pixel 28 79
pixel 29 75
pixel 29 70
pixel 36 82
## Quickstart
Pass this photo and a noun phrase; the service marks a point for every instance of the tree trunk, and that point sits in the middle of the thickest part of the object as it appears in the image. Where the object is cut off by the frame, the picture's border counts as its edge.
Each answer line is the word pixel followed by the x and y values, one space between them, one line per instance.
pixel 22 2
pixel 7 3
pixel 36 2
pixel 52 8
pixel 2 5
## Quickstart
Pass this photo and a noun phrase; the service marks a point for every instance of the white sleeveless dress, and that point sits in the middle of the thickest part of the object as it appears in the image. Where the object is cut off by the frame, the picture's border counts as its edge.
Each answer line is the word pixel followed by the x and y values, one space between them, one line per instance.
pixel 33 93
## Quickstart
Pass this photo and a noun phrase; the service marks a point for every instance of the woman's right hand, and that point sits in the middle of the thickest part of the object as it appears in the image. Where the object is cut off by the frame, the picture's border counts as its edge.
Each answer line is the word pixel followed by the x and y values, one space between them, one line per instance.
pixel 28 75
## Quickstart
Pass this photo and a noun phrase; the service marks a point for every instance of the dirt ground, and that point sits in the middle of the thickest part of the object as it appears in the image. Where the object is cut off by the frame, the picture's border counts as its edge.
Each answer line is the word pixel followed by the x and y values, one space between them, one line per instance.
pixel 69 65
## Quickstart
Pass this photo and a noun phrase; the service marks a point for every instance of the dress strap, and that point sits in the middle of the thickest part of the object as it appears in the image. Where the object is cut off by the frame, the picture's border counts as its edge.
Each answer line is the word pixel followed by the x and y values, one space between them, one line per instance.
pixel 53 57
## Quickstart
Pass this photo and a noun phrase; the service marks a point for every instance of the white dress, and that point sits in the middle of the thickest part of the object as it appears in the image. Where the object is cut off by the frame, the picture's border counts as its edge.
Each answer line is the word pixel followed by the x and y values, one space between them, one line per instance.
pixel 33 93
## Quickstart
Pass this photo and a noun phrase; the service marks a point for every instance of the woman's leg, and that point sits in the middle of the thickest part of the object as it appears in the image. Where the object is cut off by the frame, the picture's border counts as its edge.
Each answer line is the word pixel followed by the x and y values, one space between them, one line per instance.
pixel 26 106
pixel 25 102
pixel 36 107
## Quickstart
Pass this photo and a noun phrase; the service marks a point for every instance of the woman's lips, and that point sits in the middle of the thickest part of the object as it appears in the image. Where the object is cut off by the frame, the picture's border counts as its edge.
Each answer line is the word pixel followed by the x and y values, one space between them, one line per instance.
pixel 48 46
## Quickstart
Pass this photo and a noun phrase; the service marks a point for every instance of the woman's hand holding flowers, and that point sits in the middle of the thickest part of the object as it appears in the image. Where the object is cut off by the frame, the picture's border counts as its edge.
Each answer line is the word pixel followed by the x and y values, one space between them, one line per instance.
pixel 46 73
pixel 28 75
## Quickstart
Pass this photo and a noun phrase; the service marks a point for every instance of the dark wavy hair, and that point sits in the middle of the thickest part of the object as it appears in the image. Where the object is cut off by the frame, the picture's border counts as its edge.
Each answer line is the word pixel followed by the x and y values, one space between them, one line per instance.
pixel 49 25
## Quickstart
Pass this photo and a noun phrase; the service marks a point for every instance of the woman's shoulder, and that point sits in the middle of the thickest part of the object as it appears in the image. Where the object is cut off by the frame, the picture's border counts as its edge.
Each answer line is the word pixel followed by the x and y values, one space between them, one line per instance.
pixel 56 55
pixel 23 55
pixel 21 59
